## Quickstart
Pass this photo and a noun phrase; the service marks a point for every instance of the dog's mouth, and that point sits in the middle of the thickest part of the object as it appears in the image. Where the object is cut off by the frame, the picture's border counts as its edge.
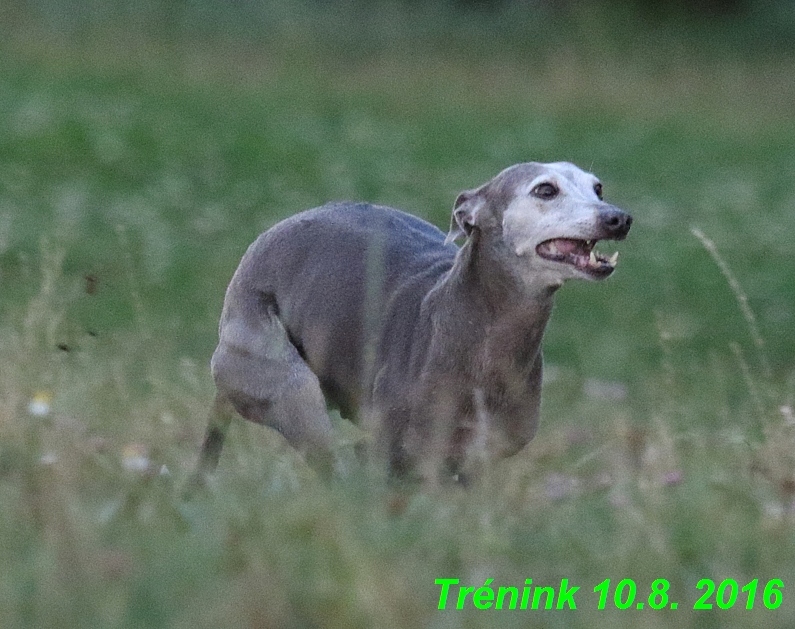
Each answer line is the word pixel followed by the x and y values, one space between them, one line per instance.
pixel 579 254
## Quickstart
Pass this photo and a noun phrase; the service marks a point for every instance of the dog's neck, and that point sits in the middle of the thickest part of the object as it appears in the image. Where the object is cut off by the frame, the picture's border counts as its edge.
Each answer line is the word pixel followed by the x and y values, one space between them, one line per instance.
pixel 489 315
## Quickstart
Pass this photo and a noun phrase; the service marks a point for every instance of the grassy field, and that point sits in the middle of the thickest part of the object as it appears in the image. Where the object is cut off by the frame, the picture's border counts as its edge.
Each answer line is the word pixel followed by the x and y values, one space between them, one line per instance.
pixel 137 165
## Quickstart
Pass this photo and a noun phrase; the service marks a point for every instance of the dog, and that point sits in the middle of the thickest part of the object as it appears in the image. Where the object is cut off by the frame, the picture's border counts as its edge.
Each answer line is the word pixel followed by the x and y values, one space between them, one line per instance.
pixel 435 349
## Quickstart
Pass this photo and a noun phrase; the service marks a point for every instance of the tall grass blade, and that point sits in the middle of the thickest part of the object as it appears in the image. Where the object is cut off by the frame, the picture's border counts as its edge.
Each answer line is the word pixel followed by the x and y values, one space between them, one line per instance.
pixel 739 294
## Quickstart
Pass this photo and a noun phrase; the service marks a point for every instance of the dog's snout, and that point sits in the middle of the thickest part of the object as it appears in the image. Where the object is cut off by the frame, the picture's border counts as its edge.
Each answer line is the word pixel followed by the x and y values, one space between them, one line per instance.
pixel 614 222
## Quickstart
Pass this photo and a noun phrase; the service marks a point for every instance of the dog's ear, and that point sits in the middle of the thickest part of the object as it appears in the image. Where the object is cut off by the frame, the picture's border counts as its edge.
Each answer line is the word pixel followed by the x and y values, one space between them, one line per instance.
pixel 465 215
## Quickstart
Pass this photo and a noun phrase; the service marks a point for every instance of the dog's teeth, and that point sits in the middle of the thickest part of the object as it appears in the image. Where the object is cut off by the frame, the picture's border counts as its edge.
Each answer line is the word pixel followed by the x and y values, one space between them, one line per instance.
pixel 593 260
pixel 613 259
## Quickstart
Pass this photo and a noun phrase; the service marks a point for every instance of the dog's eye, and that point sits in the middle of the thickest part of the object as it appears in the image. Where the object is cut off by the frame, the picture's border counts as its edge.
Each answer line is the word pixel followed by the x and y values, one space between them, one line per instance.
pixel 545 191
pixel 597 188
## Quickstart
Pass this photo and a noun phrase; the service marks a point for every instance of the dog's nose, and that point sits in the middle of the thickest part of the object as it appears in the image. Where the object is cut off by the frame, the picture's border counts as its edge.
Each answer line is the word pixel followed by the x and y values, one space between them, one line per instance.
pixel 614 222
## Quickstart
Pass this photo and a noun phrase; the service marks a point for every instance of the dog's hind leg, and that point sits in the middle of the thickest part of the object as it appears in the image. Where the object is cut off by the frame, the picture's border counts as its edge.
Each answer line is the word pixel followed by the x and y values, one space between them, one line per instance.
pixel 260 374
pixel 217 425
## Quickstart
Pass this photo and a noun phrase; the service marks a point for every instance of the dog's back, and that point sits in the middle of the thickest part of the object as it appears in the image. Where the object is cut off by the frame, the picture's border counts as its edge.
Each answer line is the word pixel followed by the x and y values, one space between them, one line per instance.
pixel 357 266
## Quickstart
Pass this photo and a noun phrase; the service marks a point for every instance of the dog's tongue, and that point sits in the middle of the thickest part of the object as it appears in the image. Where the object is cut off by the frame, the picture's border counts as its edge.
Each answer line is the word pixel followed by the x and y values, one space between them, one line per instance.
pixel 565 246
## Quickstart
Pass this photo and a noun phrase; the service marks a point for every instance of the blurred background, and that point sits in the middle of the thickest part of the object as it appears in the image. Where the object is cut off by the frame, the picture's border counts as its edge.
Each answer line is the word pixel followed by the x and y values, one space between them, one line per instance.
pixel 145 144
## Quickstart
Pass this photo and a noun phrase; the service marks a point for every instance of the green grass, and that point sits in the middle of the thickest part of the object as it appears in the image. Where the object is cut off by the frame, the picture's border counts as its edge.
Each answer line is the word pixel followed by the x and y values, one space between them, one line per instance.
pixel 666 448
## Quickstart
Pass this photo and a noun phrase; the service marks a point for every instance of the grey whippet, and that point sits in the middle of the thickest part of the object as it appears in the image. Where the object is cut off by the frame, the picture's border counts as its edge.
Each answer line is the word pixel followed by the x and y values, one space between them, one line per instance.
pixel 376 312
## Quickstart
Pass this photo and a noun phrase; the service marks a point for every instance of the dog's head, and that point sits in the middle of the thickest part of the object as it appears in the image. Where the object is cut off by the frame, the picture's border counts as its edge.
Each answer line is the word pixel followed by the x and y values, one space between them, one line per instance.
pixel 549 216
